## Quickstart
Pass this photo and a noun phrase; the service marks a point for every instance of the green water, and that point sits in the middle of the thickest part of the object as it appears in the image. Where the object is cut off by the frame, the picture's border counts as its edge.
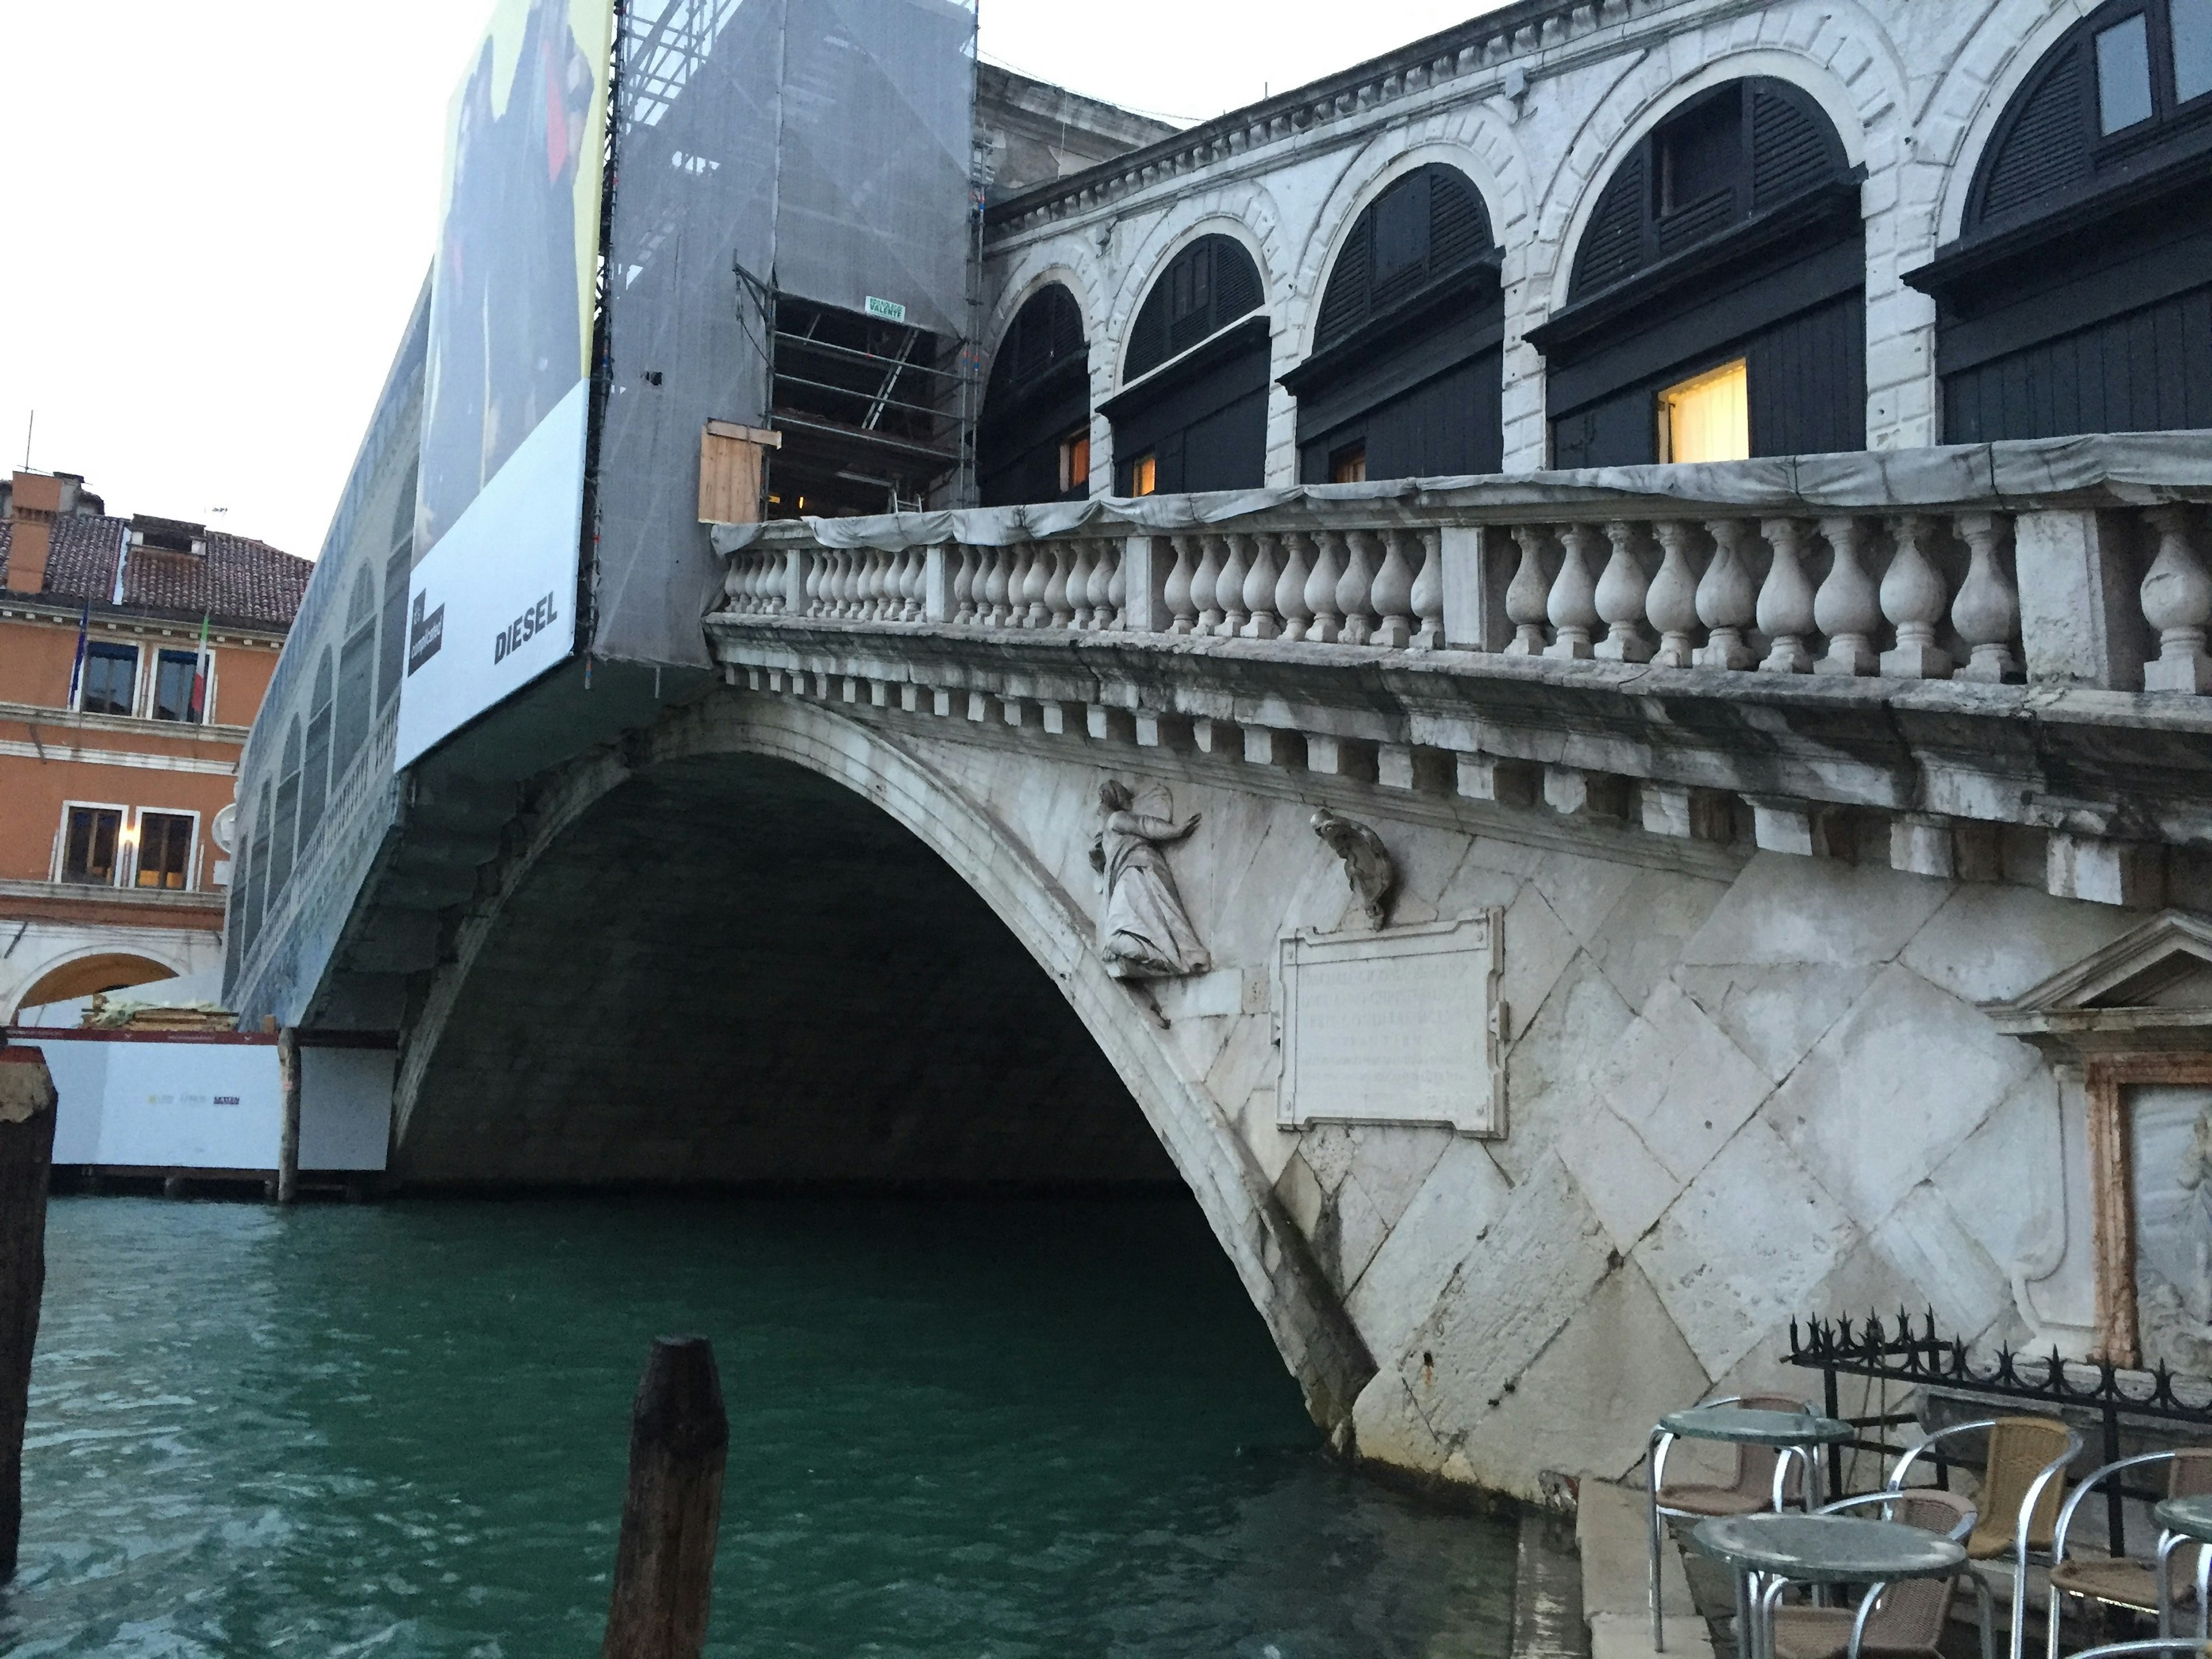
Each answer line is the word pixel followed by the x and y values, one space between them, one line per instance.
pixel 957 1429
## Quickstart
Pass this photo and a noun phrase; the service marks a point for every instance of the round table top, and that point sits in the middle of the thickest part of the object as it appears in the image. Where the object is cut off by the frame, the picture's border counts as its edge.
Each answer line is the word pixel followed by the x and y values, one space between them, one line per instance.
pixel 1747 1425
pixel 2189 1517
pixel 1829 1549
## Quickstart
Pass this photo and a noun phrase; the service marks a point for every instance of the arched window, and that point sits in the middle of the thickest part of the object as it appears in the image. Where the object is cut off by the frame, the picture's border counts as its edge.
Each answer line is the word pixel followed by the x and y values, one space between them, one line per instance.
pixel 284 831
pixel 357 686
pixel 1407 361
pixel 1718 305
pixel 1033 442
pixel 315 766
pixel 1193 415
pixel 2078 297
pixel 256 861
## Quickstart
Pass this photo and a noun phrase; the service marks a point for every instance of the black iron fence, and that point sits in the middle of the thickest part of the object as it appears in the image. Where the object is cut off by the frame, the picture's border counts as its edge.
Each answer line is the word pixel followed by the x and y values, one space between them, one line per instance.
pixel 2156 1404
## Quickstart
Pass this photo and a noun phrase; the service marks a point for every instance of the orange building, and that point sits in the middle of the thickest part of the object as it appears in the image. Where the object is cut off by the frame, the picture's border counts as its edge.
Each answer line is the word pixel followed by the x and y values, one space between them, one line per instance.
pixel 119 735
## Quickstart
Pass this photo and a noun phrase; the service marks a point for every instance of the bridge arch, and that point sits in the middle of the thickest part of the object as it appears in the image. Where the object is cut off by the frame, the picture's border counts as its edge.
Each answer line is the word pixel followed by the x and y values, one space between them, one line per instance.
pixel 755 748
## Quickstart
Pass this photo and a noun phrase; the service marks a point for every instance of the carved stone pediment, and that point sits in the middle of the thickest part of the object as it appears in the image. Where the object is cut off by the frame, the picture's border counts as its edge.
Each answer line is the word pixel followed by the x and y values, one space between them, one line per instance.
pixel 2149 989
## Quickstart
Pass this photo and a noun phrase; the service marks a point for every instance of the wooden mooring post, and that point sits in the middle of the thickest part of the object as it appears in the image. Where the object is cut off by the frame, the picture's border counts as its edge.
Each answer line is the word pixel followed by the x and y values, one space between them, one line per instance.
pixel 27 1153
pixel 288 1144
pixel 664 1562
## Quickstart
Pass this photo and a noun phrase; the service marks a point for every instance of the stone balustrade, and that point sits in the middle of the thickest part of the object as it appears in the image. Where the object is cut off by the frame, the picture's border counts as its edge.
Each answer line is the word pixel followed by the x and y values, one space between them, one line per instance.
pixel 2101 585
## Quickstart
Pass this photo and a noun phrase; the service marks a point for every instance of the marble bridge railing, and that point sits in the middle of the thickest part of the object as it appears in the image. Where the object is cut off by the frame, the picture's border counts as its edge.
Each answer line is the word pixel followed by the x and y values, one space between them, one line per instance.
pixel 1879 566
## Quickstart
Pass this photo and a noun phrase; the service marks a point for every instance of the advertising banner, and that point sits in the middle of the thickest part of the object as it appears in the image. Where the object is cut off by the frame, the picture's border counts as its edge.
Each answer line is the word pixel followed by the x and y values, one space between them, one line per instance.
pixel 492 601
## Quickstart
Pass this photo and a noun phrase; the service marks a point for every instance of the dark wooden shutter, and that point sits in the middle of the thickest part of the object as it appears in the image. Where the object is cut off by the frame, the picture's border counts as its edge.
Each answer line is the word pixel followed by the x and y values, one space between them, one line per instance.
pixel 1792 148
pixel 1613 245
pixel 2046 145
pixel 1343 303
pixel 1216 282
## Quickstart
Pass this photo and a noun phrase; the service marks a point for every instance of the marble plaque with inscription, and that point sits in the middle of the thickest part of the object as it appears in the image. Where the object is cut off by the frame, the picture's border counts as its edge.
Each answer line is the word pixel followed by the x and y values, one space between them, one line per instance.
pixel 1396 1027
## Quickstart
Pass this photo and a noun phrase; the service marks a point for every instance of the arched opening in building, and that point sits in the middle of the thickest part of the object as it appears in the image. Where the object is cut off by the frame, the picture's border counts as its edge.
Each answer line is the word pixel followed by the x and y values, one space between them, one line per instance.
pixel 784 986
pixel 1408 364
pixel 1033 440
pixel 110 970
pixel 1193 410
pixel 1717 305
pixel 2078 295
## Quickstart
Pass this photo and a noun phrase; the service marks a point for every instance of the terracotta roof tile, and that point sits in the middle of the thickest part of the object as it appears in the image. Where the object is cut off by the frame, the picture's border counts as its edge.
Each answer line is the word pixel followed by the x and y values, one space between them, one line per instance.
pixel 238 578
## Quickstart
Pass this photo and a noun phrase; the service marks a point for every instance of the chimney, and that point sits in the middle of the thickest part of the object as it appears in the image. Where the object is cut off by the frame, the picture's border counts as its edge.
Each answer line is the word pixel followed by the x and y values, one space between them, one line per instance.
pixel 38 498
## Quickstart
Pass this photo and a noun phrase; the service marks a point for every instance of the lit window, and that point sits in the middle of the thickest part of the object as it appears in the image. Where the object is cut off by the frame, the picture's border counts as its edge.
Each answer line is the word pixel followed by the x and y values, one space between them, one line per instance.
pixel 1349 464
pixel 172 685
pixel 1707 418
pixel 110 679
pixel 2124 74
pixel 88 844
pixel 1144 474
pixel 165 850
pixel 2193 49
pixel 1075 460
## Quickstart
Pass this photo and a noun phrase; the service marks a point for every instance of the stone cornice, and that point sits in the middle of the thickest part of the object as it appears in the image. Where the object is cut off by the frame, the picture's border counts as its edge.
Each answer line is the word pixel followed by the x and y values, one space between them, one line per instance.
pixel 2109 765
pixel 1485 46
pixel 71 719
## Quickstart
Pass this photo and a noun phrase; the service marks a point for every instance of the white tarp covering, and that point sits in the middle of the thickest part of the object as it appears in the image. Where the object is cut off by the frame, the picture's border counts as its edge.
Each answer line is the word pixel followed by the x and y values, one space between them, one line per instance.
pixel 2133 467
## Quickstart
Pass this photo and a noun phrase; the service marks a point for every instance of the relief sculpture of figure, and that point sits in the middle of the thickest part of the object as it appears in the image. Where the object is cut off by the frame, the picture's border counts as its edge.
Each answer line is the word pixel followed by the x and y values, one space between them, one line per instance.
pixel 1143 930
pixel 2194 1174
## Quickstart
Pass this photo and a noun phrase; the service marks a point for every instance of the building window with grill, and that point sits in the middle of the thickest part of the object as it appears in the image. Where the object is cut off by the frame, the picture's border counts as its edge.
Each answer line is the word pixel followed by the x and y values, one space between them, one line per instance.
pixel 1036 405
pixel 110 685
pixel 1195 392
pixel 1707 417
pixel 90 837
pixel 174 674
pixel 165 850
pixel 1408 366
pixel 1732 232
pixel 2077 297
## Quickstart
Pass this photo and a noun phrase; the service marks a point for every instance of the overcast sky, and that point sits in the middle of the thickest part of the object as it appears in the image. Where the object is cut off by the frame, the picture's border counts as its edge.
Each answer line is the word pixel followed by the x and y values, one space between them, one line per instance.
pixel 221 212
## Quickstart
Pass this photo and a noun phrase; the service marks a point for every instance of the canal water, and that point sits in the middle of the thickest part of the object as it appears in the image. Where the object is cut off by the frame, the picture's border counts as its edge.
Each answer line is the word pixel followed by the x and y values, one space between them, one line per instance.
pixel 971 1430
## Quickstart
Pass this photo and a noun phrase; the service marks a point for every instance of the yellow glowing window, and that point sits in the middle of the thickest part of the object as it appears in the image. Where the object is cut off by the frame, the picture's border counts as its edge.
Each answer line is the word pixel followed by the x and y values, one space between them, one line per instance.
pixel 1144 474
pixel 1075 460
pixel 1707 418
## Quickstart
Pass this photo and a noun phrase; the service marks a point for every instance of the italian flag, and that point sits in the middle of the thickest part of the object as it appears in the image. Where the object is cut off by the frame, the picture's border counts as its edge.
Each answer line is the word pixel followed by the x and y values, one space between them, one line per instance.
pixel 200 674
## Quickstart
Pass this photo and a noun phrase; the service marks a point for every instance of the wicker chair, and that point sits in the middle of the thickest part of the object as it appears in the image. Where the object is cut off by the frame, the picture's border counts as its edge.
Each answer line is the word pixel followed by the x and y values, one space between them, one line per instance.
pixel 2117 1580
pixel 2023 1478
pixel 1907 1618
pixel 1765 1479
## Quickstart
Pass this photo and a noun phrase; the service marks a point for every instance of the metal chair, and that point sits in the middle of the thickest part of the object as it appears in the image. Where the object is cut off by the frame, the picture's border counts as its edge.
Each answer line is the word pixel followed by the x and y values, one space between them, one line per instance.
pixel 2022 1479
pixel 2117 1580
pixel 1764 1479
pixel 1906 1618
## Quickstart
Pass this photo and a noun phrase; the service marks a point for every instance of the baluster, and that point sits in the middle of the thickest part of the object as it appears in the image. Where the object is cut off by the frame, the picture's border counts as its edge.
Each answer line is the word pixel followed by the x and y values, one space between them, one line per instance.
pixel 1176 593
pixel 1058 612
pixel 1725 598
pixel 1078 587
pixel 1621 597
pixel 1573 603
pixel 812 582
pixel 848 583
pixel 1231 589
pixel 1845 608
pixel 1786 601
pixel 1986 613
pixel 994 613
pixel 907 584
pixel 1117 589
pixel 874 564
pixel 1527 595
pixel 832 582
pixel 1671 604
pixel 761 595
pixel 891 569
pixel 1355 589
pixel 1291 588
pixel 963 586
pixel 1392 593
pixel 1206 585
pixel 737 585
pixel 2177 601
pixel 1098 586
pixel 1429 592
pixel 1913 599
pixel 917 585
pixel 1263 623
pixel 1033 586
pixel 1327 624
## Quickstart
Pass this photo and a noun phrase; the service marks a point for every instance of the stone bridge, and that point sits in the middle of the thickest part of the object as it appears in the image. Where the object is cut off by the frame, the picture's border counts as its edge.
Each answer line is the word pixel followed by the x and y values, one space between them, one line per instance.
pixel 1729 946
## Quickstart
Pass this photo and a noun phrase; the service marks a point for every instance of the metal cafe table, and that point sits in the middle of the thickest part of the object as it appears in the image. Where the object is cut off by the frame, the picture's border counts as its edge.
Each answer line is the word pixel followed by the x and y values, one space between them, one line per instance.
pixel 2183 1521
pixel 1819 1550
pixel 1789 1433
